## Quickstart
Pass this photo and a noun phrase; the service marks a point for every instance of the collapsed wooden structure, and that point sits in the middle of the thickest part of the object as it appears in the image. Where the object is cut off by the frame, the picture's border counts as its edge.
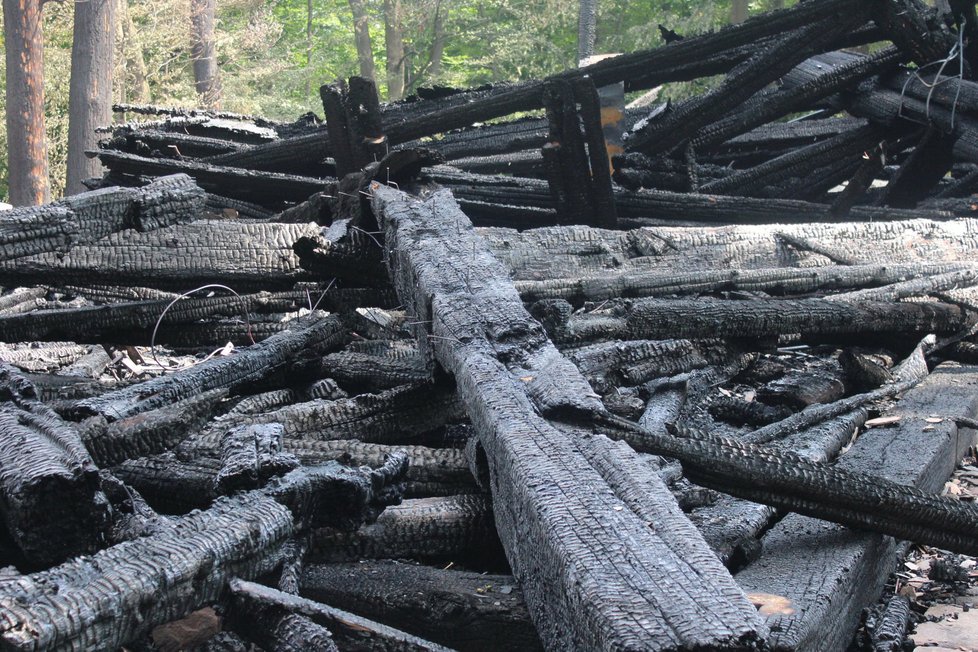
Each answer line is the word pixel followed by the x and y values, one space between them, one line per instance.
pixel 630 386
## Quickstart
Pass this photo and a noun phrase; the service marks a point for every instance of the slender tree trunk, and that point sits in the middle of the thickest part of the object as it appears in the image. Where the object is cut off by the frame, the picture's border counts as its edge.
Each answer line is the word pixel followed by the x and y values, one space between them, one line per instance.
pixel 90 89
pixel 204 52
pixel 738 11
pixel 438 40
pixel 27 156
pixel 775 4
pixel 394 37
pixel 587 22
pixel 361 33
pixel 132 49
pixel 308 46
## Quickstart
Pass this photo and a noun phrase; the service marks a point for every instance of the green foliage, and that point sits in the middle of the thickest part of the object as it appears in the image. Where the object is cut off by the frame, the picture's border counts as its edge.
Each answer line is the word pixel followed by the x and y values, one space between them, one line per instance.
pixel 271 65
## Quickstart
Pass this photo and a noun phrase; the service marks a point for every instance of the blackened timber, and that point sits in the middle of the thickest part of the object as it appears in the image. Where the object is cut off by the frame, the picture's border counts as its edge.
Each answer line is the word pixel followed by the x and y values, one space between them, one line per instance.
pixel 683 123
pixel 90 216
pixel 87 603
pixel 834 571
pixel 352 632
pixel 50 500
pixel 464 610
pixel 148 433
pixel 296 155
pixel 776 281
pixel 179 256
pixel 762 109
pixel 134 322
pixel 669 63
pixel 660 318
pixel 912 26
pixel 436 529
pixel 799 163
pixel 276 629
pixel 264 188
pixel 917 175
pixel 547 494
pixel 271 356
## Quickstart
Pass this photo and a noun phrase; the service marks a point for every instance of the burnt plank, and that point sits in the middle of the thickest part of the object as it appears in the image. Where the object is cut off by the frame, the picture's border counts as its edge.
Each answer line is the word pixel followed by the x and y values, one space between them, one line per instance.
pixel 830 572
pixel 547 494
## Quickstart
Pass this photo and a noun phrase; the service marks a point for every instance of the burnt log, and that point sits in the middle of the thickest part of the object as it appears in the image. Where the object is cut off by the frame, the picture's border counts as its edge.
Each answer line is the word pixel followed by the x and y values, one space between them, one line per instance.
pixel 767 66
pixel 273 356
pixel 90 216
pixel 659 318
pixel 270 189
pixel 87 603
pixel 295 155
pixel 451 528
pixel 50 498
pixel 274 628
pixel 134 322
pixel 509 374
pixel 464 610
pixel 834 571
pixel 351 632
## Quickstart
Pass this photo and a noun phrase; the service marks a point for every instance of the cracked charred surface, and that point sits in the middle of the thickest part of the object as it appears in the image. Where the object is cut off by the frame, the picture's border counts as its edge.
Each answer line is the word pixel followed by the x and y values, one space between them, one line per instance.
pixel 589 565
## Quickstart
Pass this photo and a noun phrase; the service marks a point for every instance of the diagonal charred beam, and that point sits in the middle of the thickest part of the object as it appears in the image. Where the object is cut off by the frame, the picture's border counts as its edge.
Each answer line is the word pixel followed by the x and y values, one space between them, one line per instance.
pixel 272 356
pixel 352 632
pixel 547 494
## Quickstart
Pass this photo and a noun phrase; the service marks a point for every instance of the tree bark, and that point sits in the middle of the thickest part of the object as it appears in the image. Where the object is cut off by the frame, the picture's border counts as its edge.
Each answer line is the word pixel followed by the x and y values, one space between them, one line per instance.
pixel 394 38
pixel 204 52
pixel 361 34
pixel 27 156
pixel 90 89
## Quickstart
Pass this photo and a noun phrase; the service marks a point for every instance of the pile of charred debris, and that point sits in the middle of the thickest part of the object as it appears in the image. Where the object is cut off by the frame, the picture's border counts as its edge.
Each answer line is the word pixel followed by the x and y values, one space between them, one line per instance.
pixel 678 377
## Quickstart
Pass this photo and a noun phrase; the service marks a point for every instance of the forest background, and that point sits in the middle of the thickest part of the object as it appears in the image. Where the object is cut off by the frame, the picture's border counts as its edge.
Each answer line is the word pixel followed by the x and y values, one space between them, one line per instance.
pixel 272 55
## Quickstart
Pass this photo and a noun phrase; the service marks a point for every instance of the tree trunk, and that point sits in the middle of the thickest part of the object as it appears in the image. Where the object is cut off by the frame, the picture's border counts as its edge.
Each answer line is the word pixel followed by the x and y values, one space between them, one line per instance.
pixel 308 45
pixel 361 33
pixel 132 48
pixel 738 11
pixel 90 93
pixel 587 20
pixel 27 156
pixel 437 42
pixel 204 52
pixel 394 38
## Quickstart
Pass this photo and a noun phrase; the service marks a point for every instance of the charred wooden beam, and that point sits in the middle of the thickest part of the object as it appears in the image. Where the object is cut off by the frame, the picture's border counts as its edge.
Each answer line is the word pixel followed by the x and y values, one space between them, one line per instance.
pixel 435 529
pixel 913 27
pixel 271 189
pixel 87 603
pixel 835 572
pixel 776 281
pixel 134 322
pixel 50 498
pixel 274 355
pixel 801 162
pixel 660 318
pixel 356 134
pixel 90 216
pixel 766 67
pixel 296 155
pixel 148 433
pixel 464 610
pixel 579 172
pixel 509 374
pixel 764 108
pixel 275 628
pixel 351 632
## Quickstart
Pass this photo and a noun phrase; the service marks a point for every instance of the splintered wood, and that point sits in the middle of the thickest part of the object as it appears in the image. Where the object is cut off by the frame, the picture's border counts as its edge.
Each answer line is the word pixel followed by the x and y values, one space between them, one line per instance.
pixel 438 376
